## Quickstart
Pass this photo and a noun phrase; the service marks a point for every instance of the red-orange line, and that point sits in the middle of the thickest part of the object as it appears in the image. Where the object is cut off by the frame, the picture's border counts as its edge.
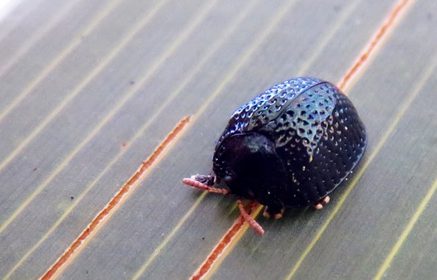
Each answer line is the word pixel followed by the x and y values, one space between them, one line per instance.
pixel 221 245
pixel 218 249
pixel 364 56
pixel 376 39
pixel 68 253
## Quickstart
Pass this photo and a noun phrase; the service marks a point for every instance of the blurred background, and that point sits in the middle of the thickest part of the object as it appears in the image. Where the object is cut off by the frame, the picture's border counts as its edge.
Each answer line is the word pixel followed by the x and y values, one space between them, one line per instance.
pixel 89 89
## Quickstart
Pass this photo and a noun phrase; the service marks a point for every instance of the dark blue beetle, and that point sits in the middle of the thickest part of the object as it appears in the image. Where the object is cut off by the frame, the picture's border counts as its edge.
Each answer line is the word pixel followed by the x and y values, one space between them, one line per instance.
pixel 288 147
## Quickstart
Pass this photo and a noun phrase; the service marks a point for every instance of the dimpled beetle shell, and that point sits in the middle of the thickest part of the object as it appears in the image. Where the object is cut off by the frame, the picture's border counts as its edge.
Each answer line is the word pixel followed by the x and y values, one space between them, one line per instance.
pixel 291 145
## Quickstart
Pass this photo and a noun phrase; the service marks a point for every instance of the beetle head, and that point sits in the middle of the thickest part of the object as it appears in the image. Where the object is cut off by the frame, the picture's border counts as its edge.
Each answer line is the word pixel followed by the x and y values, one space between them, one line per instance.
pixel 249 165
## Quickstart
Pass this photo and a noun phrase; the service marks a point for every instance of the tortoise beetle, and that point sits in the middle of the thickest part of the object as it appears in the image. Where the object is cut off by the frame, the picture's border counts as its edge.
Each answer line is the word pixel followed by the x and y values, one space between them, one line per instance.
pixel 290 146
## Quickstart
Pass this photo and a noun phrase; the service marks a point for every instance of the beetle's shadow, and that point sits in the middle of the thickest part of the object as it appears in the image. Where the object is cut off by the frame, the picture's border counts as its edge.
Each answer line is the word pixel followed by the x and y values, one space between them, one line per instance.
pixel 292 217
pixel 225 205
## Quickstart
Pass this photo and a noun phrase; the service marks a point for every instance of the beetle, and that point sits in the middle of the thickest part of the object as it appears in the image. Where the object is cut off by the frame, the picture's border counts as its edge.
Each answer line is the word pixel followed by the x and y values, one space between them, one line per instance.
pixel 290 146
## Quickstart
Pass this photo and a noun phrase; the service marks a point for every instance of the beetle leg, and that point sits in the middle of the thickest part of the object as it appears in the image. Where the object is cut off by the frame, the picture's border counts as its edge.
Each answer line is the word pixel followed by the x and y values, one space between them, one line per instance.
pixel 277 211
pixel 322 203
pixel 251 221
pixel 208 180
pixel 266 213
pixel 196 184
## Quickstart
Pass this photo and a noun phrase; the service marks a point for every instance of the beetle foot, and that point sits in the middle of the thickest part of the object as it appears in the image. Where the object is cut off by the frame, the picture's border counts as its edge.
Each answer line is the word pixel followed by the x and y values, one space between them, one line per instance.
pixel 276 216
pixel 322 203
pixel 266 214
pixel 251 221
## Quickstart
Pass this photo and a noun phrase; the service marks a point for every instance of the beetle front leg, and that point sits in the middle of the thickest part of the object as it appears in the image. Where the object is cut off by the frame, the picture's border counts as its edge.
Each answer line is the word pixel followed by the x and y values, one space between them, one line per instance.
pixel 204 182
pixel 208 180
pixel 251 221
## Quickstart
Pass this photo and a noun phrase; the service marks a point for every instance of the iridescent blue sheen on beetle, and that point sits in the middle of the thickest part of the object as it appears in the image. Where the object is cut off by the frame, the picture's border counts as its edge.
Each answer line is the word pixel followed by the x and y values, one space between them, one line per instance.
pixel 291 145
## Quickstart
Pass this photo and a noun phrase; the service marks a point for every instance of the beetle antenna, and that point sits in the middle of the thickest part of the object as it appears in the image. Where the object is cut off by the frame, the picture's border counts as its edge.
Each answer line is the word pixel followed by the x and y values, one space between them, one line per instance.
pixel 193 182
pixel 253 224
